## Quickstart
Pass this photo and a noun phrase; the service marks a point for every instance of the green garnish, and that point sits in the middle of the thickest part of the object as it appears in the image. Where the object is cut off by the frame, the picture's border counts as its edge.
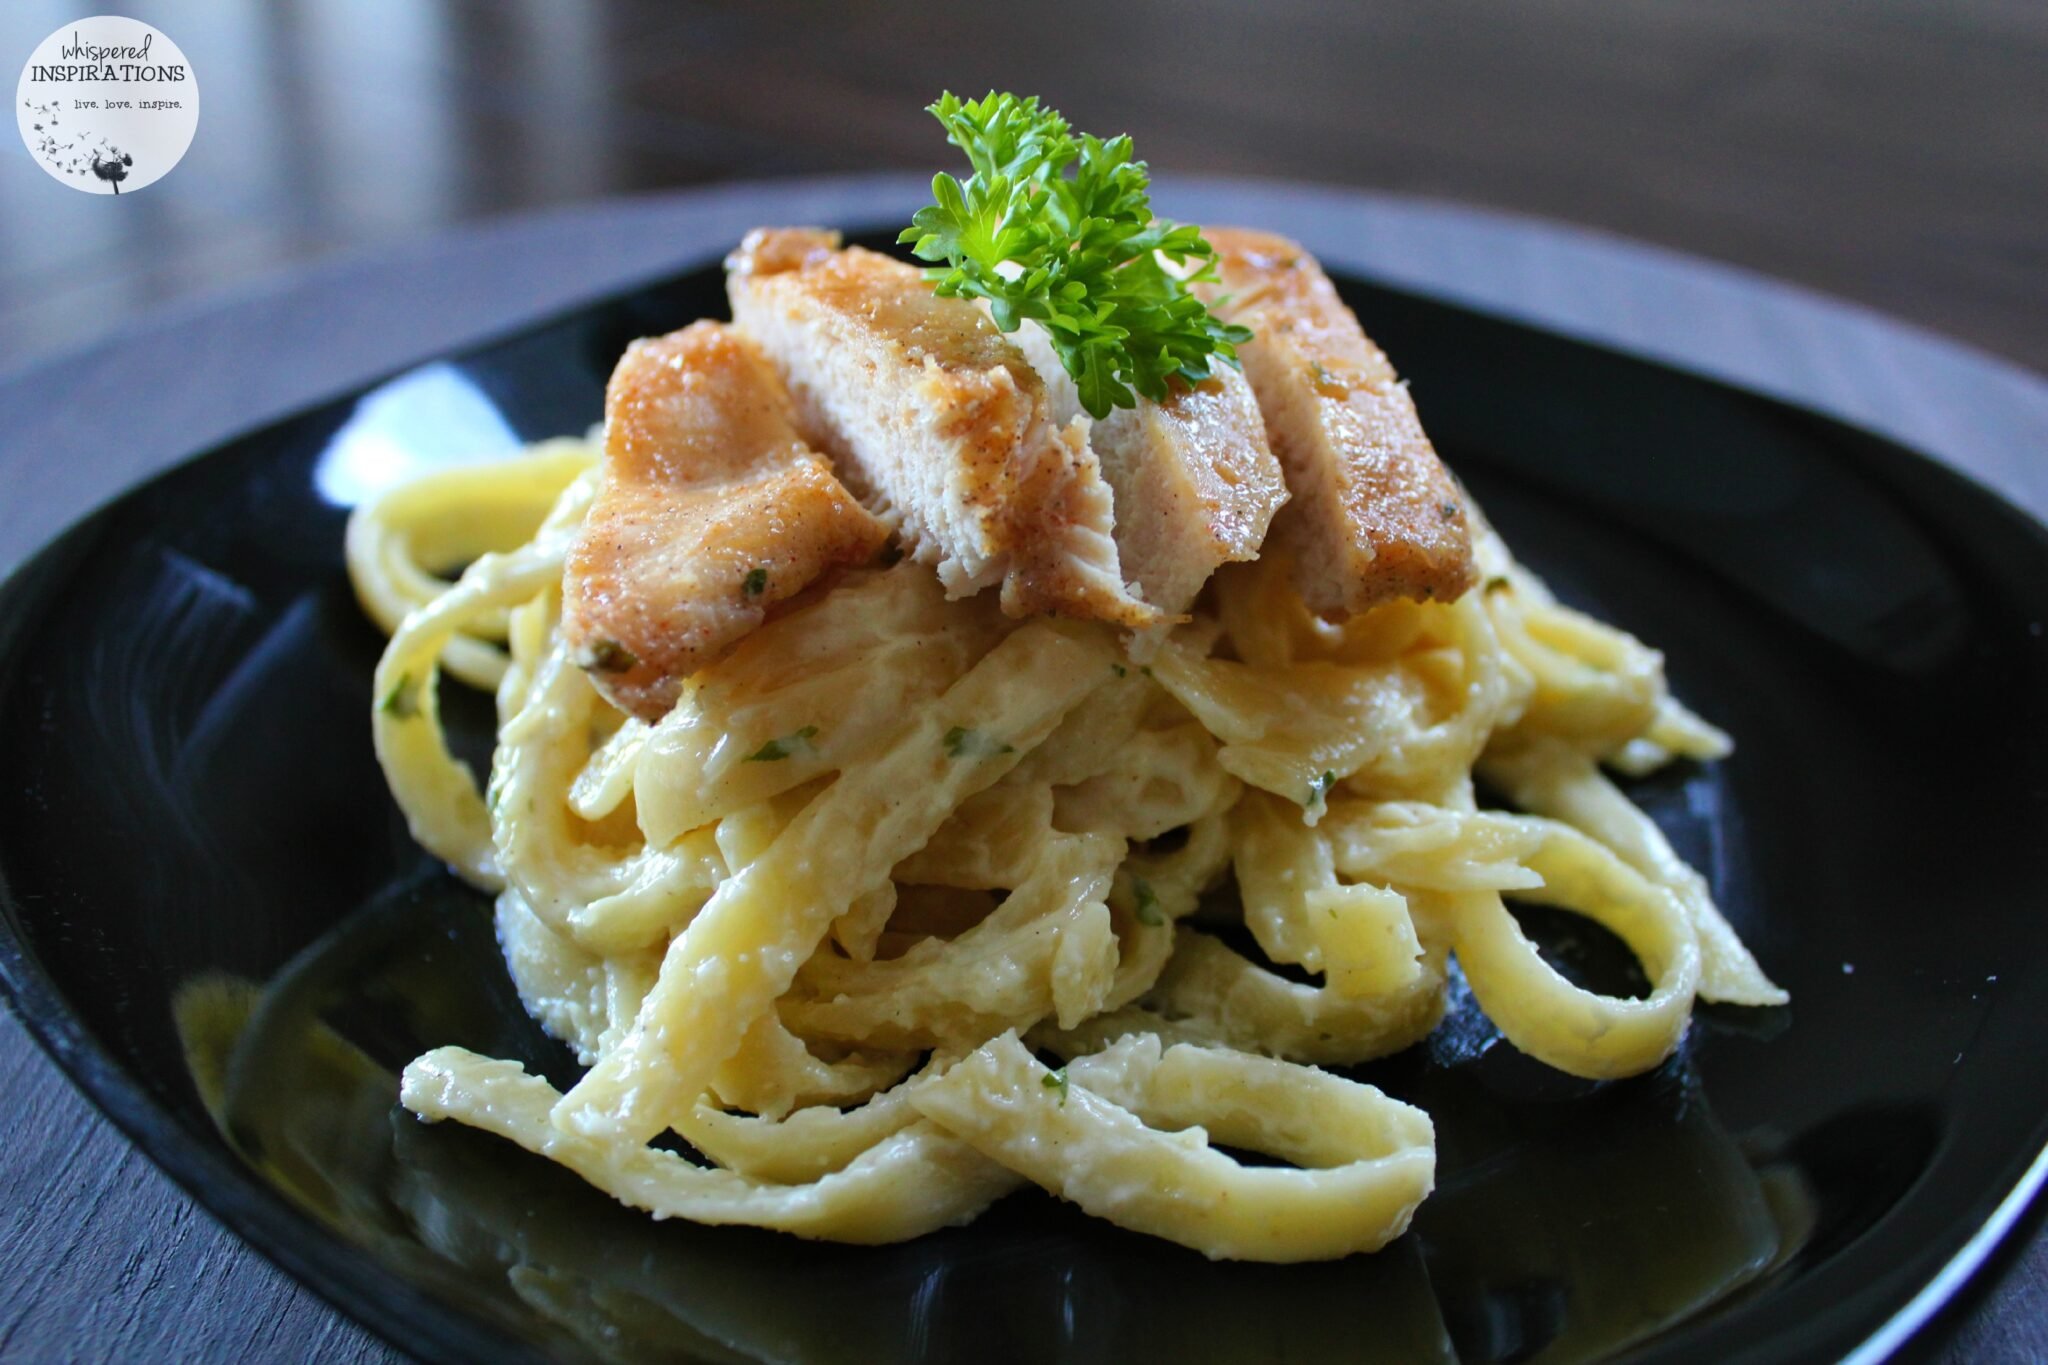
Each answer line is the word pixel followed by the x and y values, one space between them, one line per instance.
pixel 962 742
pixel 1498 583
pixel 1320 789
pixel 1147 901
pixel 777 749
pixel 606 656
pixel 1120 670
pixel 402 702
pixel 756 582
pixel 1056 1080
pixel 1079 254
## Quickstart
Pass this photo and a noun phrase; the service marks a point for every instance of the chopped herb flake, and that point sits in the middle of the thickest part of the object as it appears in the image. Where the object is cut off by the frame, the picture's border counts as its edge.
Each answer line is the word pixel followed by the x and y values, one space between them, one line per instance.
pixel 1120 670
pixel 1056 1080
pixel 1319 789
pixel 402 702
pixel 1498 583
pixel 777 749
pixel 756 583
pixel 962 742
pixel 606 656
pixel 1146 901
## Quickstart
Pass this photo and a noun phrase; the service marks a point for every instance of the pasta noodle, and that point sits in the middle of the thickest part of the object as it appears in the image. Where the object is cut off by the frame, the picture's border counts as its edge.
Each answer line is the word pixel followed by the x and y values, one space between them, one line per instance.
pixel 827 920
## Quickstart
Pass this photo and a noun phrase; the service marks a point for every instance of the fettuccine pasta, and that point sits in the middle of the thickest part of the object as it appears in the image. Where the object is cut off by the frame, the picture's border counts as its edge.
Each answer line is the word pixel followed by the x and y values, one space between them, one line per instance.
pixel 906 903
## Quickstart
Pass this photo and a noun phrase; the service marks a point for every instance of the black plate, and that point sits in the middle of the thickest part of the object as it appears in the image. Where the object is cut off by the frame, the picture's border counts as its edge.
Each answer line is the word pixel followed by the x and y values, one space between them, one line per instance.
pixel 217 923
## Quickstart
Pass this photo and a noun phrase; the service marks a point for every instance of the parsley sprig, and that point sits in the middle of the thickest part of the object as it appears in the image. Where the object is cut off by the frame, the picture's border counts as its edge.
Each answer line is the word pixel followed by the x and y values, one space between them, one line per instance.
pixel 1079 253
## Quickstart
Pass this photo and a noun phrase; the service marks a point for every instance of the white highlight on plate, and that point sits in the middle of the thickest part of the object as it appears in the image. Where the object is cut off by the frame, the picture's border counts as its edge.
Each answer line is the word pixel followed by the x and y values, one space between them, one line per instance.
pixel 430 418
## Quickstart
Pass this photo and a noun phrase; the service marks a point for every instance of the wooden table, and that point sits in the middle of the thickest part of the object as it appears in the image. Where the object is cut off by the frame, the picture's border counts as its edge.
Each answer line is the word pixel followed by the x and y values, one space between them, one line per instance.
pixel 102 1258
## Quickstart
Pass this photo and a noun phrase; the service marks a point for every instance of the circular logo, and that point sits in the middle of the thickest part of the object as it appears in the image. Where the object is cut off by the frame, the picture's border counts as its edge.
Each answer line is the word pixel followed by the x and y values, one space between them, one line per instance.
pixel 107 104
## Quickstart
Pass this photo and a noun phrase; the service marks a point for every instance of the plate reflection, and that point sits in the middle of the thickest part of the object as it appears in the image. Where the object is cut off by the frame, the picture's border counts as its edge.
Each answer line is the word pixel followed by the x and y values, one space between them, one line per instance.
pixel 1570 1221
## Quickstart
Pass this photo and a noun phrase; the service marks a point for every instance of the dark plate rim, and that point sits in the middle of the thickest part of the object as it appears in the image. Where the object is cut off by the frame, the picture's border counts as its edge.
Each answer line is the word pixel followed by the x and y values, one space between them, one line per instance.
pixel 365 1290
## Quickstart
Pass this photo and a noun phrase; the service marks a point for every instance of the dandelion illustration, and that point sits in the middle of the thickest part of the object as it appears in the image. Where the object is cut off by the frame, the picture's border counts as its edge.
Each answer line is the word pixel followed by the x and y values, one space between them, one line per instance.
pixel 111 171
pixel 82 153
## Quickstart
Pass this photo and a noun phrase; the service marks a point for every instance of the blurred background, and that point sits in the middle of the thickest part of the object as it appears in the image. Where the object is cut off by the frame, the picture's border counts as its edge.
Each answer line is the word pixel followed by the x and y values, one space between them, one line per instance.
pixel 1893 152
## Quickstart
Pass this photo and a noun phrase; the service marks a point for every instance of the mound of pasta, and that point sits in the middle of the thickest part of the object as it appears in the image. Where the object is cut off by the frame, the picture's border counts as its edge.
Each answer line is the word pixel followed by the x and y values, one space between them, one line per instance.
pixel 904 901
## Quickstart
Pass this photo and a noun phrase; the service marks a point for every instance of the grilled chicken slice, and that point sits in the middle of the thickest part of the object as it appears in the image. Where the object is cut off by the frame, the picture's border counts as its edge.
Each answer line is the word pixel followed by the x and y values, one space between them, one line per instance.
pixel 1374 514
pixel 712 512
pixel 1196 484
pixel 938 421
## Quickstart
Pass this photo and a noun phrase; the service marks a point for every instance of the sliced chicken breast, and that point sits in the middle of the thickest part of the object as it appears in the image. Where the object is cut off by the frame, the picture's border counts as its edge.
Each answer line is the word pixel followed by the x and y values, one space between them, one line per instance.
pixel 1195 483
pixel 1374 515
pixel 938 422
pixel 713 511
